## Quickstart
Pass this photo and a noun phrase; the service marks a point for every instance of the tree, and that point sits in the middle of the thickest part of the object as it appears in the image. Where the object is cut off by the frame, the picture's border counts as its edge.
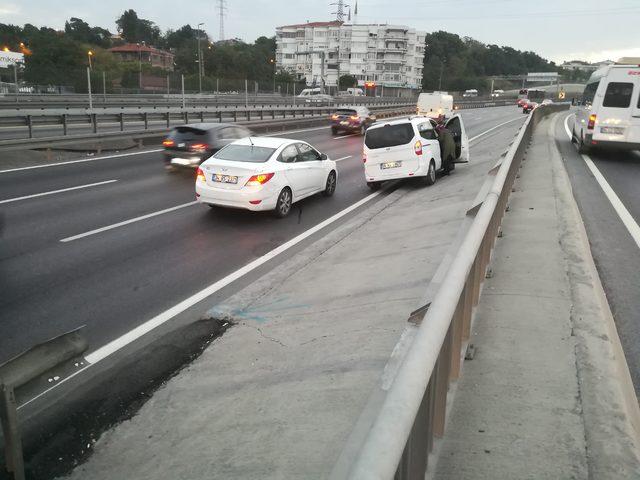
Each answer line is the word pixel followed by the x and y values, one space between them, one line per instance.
pixel 347 81
pixel 79 30
pixel 134 29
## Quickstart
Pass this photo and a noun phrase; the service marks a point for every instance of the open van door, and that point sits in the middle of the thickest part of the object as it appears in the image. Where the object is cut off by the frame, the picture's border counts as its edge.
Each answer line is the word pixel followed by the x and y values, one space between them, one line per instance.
pixel 456 127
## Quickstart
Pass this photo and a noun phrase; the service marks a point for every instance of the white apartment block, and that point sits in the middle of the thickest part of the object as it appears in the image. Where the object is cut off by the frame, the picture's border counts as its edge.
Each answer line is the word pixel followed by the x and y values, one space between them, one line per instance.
pixel 320 52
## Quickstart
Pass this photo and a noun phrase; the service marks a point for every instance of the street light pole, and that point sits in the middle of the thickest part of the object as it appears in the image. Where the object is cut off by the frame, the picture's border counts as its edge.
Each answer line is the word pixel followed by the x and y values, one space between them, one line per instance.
pixel 89 55
pixel 199 59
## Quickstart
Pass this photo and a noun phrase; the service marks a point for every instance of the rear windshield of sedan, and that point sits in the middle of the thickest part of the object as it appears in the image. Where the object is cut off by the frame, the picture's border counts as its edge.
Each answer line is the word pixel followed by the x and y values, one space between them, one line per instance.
pixel 245 153
pixel 187 134
pixel 345 111
pixel 389 136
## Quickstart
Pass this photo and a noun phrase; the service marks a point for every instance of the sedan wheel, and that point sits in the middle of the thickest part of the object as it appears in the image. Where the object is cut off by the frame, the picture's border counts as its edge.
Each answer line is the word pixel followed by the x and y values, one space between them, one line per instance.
pixel 330 187
pixel 283 205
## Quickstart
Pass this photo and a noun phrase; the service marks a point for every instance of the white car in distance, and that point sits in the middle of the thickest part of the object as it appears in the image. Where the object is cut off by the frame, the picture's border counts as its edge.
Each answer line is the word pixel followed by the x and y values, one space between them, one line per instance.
pixel 264 173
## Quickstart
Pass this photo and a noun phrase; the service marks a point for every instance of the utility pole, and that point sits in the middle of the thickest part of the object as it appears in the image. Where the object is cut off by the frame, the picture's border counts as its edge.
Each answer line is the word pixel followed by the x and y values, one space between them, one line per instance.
pixel 139 67
pixel 89 87
pixel 339 13
pixel 441 71
pixel 199 59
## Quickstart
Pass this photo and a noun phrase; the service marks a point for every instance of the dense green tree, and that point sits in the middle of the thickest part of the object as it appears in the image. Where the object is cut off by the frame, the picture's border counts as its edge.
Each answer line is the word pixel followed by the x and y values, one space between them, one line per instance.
pixel 347 81
pixel 134 29
pixel 80 31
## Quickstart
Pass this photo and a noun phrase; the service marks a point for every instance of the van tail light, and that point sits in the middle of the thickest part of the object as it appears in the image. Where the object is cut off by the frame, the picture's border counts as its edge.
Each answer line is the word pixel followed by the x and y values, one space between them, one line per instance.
pixel 260 179
pixel 198 147
pixel 592 121
pixel 418 147
pixel 200 175
pixel 168 143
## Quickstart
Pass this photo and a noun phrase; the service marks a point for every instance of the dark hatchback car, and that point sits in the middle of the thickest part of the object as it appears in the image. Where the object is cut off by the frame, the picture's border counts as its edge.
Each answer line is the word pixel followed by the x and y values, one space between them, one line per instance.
pixel 352 120
pixel 190 145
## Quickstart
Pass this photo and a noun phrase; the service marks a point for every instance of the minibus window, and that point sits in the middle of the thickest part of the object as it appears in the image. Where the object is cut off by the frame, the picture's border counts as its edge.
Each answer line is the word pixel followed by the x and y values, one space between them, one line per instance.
pixel 618 95
pixel 590 92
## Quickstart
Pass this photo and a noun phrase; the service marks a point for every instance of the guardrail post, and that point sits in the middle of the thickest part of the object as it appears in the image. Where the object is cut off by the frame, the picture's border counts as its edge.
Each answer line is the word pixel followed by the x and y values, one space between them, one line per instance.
pixel 121 120
pixel 219 116
pixel 235 115
pixel 248 115
pixel 186 117
pixel 201 116
pixel 262 114
pixel 30 125
pixel 11 432
pixel 64 123
pixel 168 119
pixel 273 114
pixel 146 121
pixel 94 122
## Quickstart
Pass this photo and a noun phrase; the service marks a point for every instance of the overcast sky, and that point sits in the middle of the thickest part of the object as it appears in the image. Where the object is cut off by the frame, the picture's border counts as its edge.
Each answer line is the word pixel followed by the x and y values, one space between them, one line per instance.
pixel 556 29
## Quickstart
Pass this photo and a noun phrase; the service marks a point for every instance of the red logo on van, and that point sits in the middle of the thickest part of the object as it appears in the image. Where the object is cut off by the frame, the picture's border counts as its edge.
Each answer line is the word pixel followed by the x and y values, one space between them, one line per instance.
pixel 634 72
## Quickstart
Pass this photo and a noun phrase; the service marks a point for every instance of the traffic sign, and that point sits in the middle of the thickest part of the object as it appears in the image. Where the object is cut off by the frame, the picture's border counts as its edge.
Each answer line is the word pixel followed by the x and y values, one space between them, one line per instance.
pixel 561 95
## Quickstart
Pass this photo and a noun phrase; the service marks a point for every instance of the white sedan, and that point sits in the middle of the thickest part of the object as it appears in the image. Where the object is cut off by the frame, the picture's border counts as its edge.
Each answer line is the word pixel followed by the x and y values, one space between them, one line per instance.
pixel 264 173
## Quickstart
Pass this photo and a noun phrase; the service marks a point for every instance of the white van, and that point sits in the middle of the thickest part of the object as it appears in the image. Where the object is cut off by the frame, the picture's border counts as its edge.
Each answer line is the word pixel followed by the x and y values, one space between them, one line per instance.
pixel 356 92
pixel 470 93
pixel 435 104
pixel 409 148
pixel 314 95
pixel 610 113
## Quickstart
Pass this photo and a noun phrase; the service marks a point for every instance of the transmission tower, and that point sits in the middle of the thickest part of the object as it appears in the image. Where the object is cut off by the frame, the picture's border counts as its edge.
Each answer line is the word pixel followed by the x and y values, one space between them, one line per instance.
pixel 340 10
pixel 222 8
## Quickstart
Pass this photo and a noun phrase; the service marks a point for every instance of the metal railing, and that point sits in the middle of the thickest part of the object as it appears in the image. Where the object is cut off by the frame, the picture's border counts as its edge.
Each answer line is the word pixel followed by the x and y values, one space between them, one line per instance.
pixel 153 122
pixel 20 370
pixel 414 410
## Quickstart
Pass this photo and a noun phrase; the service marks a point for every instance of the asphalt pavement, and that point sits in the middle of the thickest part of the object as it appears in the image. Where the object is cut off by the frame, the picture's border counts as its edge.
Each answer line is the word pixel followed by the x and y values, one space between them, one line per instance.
pixel 114 280
pixel 615 250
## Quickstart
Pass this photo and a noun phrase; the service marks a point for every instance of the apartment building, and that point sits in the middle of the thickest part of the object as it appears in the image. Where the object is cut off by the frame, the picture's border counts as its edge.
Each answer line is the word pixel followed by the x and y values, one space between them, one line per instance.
pixel 391 56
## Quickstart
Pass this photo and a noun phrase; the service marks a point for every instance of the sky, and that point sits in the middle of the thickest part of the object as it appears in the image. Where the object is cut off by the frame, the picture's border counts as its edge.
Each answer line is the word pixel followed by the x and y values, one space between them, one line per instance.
pixel 558 30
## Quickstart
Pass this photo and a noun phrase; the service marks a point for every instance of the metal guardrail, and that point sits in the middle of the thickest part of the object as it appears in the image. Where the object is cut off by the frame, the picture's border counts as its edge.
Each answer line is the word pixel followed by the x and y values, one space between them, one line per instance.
pixel 260 119
pixel 414 411
pixel 21 370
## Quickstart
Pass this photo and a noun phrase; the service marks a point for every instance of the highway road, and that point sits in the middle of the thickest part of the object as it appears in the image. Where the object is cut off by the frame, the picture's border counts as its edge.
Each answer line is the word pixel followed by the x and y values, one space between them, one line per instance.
pixel 605 186
pixel 67 259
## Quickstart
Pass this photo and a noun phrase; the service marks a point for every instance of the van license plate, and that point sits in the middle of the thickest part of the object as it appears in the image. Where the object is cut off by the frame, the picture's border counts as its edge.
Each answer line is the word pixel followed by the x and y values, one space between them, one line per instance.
pixel 387 165
pixel 224 178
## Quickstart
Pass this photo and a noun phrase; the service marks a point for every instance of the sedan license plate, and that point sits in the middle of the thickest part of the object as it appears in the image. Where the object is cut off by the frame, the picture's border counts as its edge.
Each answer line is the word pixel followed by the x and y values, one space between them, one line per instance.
pixel 224 178
pixel 344 123
pixel 387 165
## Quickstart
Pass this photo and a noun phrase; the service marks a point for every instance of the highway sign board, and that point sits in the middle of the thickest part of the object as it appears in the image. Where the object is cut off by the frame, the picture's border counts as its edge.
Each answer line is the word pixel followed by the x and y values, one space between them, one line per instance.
pixel 542 77
pixel 10 58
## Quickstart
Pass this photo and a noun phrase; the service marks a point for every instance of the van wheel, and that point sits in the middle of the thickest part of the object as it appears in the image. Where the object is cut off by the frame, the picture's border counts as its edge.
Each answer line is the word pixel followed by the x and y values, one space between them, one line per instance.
pixel 430 178
pixel 283 205
pixel 374 185
pixel 582 148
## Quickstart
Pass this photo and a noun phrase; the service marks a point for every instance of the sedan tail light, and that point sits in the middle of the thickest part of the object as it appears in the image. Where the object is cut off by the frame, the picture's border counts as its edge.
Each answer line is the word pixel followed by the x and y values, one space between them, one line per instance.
pixel 334 117
pixel 260 179
pixel 200 175
pixel 168 143
pixel 355 117
pixel 418 147
pixel 198 147
pixel 592 121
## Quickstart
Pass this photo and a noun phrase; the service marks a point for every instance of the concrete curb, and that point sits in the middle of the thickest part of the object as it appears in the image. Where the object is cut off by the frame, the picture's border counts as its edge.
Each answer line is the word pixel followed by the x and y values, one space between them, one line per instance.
pixel 611 413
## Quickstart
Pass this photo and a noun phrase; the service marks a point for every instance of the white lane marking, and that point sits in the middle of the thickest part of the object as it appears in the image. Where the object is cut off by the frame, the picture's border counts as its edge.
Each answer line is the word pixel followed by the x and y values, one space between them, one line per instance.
pixel 127 222
pixel 618 206
pixel 121 342
pixel 82 160
pixel 17 199
pixel 493 128
pixel 163 317
pixel 342 158
pixel 566 126
pixel 346 136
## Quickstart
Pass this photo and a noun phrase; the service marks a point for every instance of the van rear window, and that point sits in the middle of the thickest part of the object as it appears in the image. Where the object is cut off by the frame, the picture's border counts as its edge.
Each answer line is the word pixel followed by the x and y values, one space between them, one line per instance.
pixel 618 95
pixel 389 136
pixel 187 134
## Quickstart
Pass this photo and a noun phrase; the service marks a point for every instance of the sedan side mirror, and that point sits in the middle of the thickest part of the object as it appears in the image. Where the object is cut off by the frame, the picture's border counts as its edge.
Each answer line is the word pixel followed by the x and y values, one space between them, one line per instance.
pixel 323 156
